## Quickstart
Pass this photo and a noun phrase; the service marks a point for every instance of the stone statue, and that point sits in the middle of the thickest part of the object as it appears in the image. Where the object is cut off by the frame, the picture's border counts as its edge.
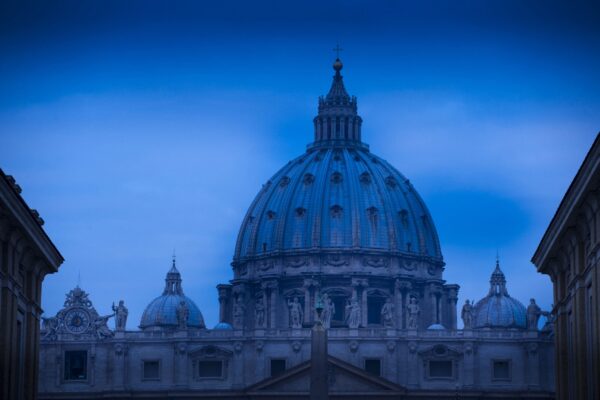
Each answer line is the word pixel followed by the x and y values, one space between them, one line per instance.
pixel 102 330
pixel 353 313
pixel 387 313
pixel 49 328
pixel 183 313
pixel 533 315
pixel 238 313
pixel 550 319
pixel 259 312
pixel 296 316
pixel 328 311
pixel 467 315
pixel 121 314
pixel 413 313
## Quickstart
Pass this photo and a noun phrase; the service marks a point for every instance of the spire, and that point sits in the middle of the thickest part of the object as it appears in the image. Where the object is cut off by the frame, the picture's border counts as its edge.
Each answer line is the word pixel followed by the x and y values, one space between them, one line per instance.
pixel 337 122
pixel 498 281
pixel 173 280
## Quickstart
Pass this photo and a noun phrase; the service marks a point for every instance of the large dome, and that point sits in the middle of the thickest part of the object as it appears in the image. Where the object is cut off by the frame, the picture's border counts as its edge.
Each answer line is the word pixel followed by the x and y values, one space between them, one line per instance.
pixel 338 196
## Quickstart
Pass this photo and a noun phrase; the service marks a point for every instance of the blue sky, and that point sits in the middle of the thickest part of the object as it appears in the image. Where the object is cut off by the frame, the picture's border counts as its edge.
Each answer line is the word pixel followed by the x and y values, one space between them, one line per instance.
pixel 135 129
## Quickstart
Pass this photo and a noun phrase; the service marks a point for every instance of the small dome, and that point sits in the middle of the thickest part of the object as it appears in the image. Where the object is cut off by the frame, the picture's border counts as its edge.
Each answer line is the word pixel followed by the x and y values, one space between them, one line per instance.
pixel 498 309
pixel 223 326
pixel 436 327
pixel 162 311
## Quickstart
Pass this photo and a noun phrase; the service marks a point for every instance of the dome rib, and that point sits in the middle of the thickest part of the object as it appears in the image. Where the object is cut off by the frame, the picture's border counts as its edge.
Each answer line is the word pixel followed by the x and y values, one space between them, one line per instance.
pixel 295 186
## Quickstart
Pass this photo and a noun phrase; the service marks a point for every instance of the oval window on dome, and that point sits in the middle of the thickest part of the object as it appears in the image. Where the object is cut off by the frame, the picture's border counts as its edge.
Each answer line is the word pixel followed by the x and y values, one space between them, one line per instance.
pixel 336 211
pixel 365 178
pixel 284 181
pixel 308 179
pixel 336 177
pixel 391 181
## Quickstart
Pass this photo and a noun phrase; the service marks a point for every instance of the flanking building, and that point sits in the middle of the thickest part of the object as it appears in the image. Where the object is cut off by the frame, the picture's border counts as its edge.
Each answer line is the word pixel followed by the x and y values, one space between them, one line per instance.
pixel 27 255
pixel 568 253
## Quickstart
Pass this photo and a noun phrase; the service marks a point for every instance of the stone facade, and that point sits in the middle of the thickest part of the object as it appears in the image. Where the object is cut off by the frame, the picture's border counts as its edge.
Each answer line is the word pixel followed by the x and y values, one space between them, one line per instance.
pixel 340 230
pixel 568 253
pixel 26 256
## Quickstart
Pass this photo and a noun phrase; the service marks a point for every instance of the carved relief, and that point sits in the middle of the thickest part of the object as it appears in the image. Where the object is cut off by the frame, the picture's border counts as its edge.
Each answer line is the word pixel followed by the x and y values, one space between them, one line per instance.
pixel 335 260
pixel 265 265
pixel 296 262
pixel 376 262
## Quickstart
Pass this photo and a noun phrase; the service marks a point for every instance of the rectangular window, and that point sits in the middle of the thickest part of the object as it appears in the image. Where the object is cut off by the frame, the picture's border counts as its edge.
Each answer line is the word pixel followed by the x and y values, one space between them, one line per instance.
pixel 277 366
pixel 501 370
pixel 373 366
pixel 75 365
pixel 210 369
pixel 440 369
pixel 152 370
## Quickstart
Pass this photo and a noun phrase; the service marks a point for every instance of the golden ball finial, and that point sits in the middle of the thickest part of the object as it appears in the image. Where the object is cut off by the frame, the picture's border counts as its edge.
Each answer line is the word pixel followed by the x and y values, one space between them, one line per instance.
pixel 337 65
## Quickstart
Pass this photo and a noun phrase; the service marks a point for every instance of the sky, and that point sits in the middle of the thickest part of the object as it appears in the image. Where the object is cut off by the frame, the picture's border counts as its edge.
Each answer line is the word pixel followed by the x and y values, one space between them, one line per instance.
pixel 142 128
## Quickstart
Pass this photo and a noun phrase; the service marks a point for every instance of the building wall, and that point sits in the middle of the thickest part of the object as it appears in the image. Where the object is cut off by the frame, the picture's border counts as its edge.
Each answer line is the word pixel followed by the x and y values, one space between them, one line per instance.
pixel 568 253
pixel 26 256
pixel 404 357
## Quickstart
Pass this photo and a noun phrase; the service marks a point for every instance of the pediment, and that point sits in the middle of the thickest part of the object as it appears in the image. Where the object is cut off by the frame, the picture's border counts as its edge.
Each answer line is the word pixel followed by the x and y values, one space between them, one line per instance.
pixel 344 378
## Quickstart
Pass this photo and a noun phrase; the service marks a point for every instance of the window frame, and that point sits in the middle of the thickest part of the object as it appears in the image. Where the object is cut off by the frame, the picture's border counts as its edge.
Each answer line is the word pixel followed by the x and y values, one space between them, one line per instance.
pixel 493 374
pixel 156 360
pixel 285 362
pixel 64 366
pixel 365 360
pixel 450 377
pixel 219 360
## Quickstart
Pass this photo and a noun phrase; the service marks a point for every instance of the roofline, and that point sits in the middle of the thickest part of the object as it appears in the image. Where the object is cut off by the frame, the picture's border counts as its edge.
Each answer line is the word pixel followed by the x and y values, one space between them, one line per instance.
pixel 29 225
pixel 572 197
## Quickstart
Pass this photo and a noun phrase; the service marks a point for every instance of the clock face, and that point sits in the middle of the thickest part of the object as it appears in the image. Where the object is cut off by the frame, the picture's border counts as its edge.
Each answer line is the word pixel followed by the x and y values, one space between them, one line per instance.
pixel 77 320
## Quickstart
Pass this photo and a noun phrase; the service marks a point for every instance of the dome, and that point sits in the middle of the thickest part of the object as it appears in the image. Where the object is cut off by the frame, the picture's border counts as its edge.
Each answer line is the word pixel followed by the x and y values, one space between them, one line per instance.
pixel 436 327
pixel 338 196
pixel 223 326
pixel 498 309
pixel 162 311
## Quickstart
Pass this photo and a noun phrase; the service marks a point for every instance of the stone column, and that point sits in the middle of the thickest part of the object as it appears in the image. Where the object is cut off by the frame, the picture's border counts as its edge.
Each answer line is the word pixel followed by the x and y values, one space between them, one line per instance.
pixel 224 294
pixel 307 309
pixel 180 375
pixel 398 304
pixel 452 299
pixel 273 288
pixel 434 304
pixel 533 366
pixel 468 364
pixel 319 382
pixel 118 369
pixel 364 306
